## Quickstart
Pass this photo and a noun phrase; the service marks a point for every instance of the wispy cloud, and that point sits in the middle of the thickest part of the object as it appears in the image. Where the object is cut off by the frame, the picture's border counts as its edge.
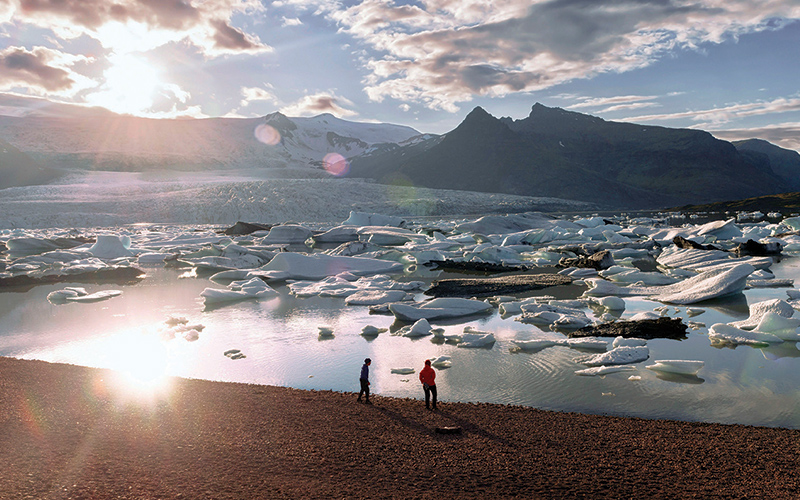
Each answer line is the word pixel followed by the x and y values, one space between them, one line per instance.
pixel 714 117
pixel 41 71
pixel 785 135
pixel 323 102
pixel 443 53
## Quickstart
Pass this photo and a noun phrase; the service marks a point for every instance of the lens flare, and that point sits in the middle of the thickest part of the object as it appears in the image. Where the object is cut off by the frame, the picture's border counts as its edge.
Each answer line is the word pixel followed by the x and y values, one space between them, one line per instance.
pixel 336 164
pixel 267 134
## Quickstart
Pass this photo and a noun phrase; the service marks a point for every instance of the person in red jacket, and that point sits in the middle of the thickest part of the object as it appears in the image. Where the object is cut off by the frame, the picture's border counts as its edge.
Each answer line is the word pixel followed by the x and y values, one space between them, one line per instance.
pixel 428 377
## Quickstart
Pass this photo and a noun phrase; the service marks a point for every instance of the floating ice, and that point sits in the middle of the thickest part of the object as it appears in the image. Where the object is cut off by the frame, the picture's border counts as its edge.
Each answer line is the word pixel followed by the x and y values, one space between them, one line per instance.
pixel 644 315
pixel 618 356
pixel 290 265
pixel 592 343
pixel 95 297
pixel 420 328
pixel 704 286
pixel 440 308
pixel 403 371
pixel 780 326
pixel 325 331
pixel 476 338
pixel 287 233
pixel 610 303
pixel 630 342
pixel 441 362
pixel 111 246
pixel 372 331
pixel 370 219
pixel 680 367
pixel 704 260
pixel 376 297
pixel 535 344
pixel 604 370
pixel 255 288
pixel 721 334
pixel 61 296
pixel 759 309
pixel 234 354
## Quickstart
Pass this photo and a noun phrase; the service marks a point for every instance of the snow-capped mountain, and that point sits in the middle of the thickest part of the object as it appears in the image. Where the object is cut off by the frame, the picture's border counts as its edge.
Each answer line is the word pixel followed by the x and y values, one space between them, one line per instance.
pixel 100 140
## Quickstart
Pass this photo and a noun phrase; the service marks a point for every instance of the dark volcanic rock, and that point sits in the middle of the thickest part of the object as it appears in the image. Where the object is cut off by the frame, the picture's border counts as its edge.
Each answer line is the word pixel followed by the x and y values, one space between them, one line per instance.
pixel 118 275
pixel 481 267
pixel 598 260
pixel 477 287
pixel 242 228
pixel 661 328
pixel 682 242
pixel 753 247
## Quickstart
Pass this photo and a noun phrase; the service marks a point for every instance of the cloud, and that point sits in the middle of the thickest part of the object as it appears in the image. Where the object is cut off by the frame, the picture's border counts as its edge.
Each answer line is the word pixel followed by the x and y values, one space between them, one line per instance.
pixel 206 25
pixel 285 21
pixel 40 70
pixel 785 135
pixel 717 116
pixel 444 52
pixel 253 94
pixel 324 102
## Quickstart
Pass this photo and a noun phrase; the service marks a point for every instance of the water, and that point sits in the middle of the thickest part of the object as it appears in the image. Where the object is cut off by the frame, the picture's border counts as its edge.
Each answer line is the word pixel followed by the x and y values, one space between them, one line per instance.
pixel 279 338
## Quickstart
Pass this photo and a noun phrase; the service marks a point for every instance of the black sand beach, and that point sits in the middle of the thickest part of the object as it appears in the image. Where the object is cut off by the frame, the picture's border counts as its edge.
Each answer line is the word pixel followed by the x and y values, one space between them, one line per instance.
pixel 68 432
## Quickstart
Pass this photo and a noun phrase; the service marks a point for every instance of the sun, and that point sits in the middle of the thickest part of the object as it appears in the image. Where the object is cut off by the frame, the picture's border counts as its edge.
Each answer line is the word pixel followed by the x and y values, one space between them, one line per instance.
pixel 130 85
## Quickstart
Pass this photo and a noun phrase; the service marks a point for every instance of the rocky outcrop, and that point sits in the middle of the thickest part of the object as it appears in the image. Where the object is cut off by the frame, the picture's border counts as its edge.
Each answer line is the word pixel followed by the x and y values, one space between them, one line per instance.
pixel 502 285
pixel 598 260
pixel 661 328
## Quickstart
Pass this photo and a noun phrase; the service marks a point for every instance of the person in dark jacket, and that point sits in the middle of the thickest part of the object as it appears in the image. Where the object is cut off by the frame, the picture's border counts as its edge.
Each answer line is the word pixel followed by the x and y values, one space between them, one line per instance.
pixel 364 379
pixel 428 378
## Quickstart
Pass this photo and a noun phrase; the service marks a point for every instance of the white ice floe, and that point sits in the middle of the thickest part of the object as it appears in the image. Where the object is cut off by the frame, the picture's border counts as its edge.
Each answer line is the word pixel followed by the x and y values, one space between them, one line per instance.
pixel 604 370
pixel 367 290
pixel 442 362
pixel 759 309
pixel 504 224
pixel 372 331
pixel 644 315
pixel 721 334
pixel 255 288
pixel 95 297
pixel 153 258
pixel 440 308
pixel 704 260
pixel 287 233
pixel 290 265
pixel 402 371
pixel 630 342
pixel 61 296
pixel 535 344
pixel 111 246
pixel 680 367
pixel 370 219
pixel 590 343
pixel 611 303
pixel 780 326
pixel 704 286
pixel 476 338
pixel 618 356
pixel 420 328
pixel 376 297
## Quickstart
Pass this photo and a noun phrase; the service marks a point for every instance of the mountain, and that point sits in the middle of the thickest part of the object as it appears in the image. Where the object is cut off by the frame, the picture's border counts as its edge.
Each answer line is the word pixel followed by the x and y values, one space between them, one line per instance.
pixel 88 138
pixel 19 169
pixel 559 153
pixel 784 162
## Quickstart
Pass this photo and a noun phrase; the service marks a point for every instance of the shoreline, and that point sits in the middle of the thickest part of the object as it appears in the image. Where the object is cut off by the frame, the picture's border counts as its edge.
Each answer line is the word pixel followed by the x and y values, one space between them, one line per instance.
pixel 69 432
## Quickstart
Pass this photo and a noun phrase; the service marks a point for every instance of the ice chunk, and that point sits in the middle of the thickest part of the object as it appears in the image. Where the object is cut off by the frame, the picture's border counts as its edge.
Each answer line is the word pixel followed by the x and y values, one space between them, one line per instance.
pixel 440 308
pixel 721 334
pixel 759 309
pixel 644 315
pixel 681 367
pixel 535 344
pixel 372 331
pixel 604 370
pixel 594 343
pixel 618 356
pixel 780 326
pixel 442 362
pixel 61 296
pixel 402 371
pixel 290 265
pixel 255 288
pixel 476 338
pixel 111 246
pixel 375 297
pixel 324 331
pixel 287 233
pixel 96 296
pixel 370 219
pixel 421 328
pixel 634 342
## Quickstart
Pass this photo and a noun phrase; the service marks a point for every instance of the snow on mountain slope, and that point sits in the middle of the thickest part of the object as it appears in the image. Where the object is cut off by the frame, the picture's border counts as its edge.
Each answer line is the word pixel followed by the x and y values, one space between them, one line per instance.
pixel 104 141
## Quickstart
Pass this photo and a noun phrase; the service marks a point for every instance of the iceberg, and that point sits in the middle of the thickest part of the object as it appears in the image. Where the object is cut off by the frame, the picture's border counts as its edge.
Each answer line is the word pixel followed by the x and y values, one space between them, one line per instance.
pixel 369 219
pixel 372 331
pixel 476 338
pixel 721 334
pixel 376 297
pixel 403 371
pixel 441 362
pixel 255 288
pixel 95 297
pixel 759 309
pixel 111 246
pixel 290 265
pixel 441 308
pixel 618 356
pixel 287 233
pixel 680 367
pixel 421 328
pixel 604 370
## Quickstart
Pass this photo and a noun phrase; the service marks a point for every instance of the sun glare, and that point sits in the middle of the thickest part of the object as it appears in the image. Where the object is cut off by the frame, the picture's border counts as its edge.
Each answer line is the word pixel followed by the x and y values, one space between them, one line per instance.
pixel 130 85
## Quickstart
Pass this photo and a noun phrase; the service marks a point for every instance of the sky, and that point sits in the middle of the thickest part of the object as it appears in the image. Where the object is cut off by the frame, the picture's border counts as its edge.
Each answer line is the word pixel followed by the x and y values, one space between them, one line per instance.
pixel 731 67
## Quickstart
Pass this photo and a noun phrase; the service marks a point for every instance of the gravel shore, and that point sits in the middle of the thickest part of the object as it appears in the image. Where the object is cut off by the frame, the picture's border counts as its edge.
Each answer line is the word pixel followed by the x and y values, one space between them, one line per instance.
pixel 71 432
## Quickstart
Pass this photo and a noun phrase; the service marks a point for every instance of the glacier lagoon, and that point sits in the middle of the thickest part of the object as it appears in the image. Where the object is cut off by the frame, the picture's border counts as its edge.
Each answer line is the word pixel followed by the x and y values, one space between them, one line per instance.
pixel 279 339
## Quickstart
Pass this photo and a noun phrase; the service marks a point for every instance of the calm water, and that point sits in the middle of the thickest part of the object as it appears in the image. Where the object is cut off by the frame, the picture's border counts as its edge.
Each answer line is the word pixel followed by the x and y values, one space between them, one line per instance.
pixel 279 337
